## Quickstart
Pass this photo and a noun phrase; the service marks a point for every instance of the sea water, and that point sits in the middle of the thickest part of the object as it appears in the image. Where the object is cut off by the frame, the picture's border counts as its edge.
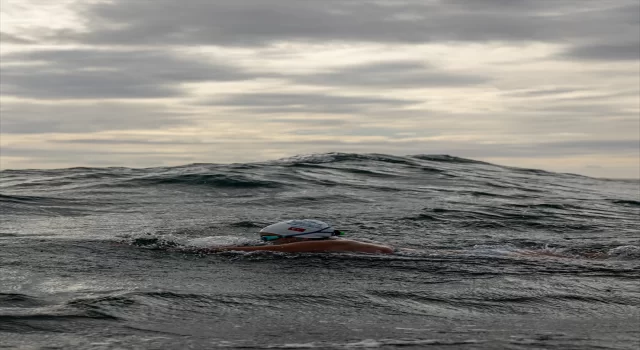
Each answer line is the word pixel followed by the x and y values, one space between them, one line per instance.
pixel 487 257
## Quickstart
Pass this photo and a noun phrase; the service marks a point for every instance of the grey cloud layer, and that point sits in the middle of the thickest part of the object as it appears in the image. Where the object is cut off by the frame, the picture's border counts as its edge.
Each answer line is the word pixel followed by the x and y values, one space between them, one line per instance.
pixel 37 118
pixel 7 38
pixel 392 74
pixel 80 74
pixel 139 74
pixel 598 30
pixel 253 22
pixel 277 99
pixel 309 103
pixel 136 74
pixel 628 51
pixel 138 50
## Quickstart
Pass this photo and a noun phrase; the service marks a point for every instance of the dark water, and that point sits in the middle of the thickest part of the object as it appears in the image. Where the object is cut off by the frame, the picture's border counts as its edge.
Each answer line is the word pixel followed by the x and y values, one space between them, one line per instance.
pixel 108 258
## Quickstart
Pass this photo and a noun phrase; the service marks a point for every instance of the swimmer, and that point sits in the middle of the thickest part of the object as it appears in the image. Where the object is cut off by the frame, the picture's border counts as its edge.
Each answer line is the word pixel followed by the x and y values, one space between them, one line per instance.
pixel 307 236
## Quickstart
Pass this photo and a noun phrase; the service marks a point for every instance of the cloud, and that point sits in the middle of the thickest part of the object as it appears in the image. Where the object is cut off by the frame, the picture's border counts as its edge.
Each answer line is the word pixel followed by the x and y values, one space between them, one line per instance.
pixel 126 141
pixel 326 122
pixel 7 38
pixel 576 111
pixel 106 74
pixel 545 92
pixel 308 103
pixel 250 23
pixel 38 118
pixel 596 146
pixel 606 52
pixel 239 80
pixel 392 74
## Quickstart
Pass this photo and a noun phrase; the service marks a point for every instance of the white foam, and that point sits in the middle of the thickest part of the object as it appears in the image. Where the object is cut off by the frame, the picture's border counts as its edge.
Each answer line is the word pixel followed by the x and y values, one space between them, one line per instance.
pixel 297 346
pixel 501 249
pixel 307 158
pixel 217 241
pixel 625 252
pixel 366 343
pixel 181 242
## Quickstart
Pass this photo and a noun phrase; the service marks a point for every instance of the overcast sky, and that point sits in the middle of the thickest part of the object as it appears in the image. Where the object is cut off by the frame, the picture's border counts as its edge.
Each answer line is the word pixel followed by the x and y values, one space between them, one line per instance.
pixel 548 84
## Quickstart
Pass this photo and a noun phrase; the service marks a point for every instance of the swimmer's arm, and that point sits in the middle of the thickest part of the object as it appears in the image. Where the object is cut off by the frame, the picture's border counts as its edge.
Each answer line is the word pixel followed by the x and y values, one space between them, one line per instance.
pixel 297 247
pixel 313 247
pixel 339 245
pixel 273 248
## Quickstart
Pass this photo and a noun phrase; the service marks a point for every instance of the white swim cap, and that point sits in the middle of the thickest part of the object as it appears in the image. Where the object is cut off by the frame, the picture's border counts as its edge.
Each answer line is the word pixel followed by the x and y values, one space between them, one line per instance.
pixel 305 228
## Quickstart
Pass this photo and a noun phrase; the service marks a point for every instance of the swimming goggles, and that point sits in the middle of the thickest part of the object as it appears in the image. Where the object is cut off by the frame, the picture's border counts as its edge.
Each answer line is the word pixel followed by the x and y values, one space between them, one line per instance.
pixel 273 237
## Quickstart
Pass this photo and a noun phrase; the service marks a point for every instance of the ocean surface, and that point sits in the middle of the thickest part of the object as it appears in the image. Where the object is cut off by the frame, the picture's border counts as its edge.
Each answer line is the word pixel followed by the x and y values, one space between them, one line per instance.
pixel 487 257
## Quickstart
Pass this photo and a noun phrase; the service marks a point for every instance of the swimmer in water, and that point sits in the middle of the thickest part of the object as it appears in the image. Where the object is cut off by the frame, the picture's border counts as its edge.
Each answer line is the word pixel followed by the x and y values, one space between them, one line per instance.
pixel 314 236
pixel 307 236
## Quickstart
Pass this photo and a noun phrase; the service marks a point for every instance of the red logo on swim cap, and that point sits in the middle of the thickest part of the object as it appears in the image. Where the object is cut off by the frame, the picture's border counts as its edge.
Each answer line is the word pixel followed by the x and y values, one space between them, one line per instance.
pixel 297 229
